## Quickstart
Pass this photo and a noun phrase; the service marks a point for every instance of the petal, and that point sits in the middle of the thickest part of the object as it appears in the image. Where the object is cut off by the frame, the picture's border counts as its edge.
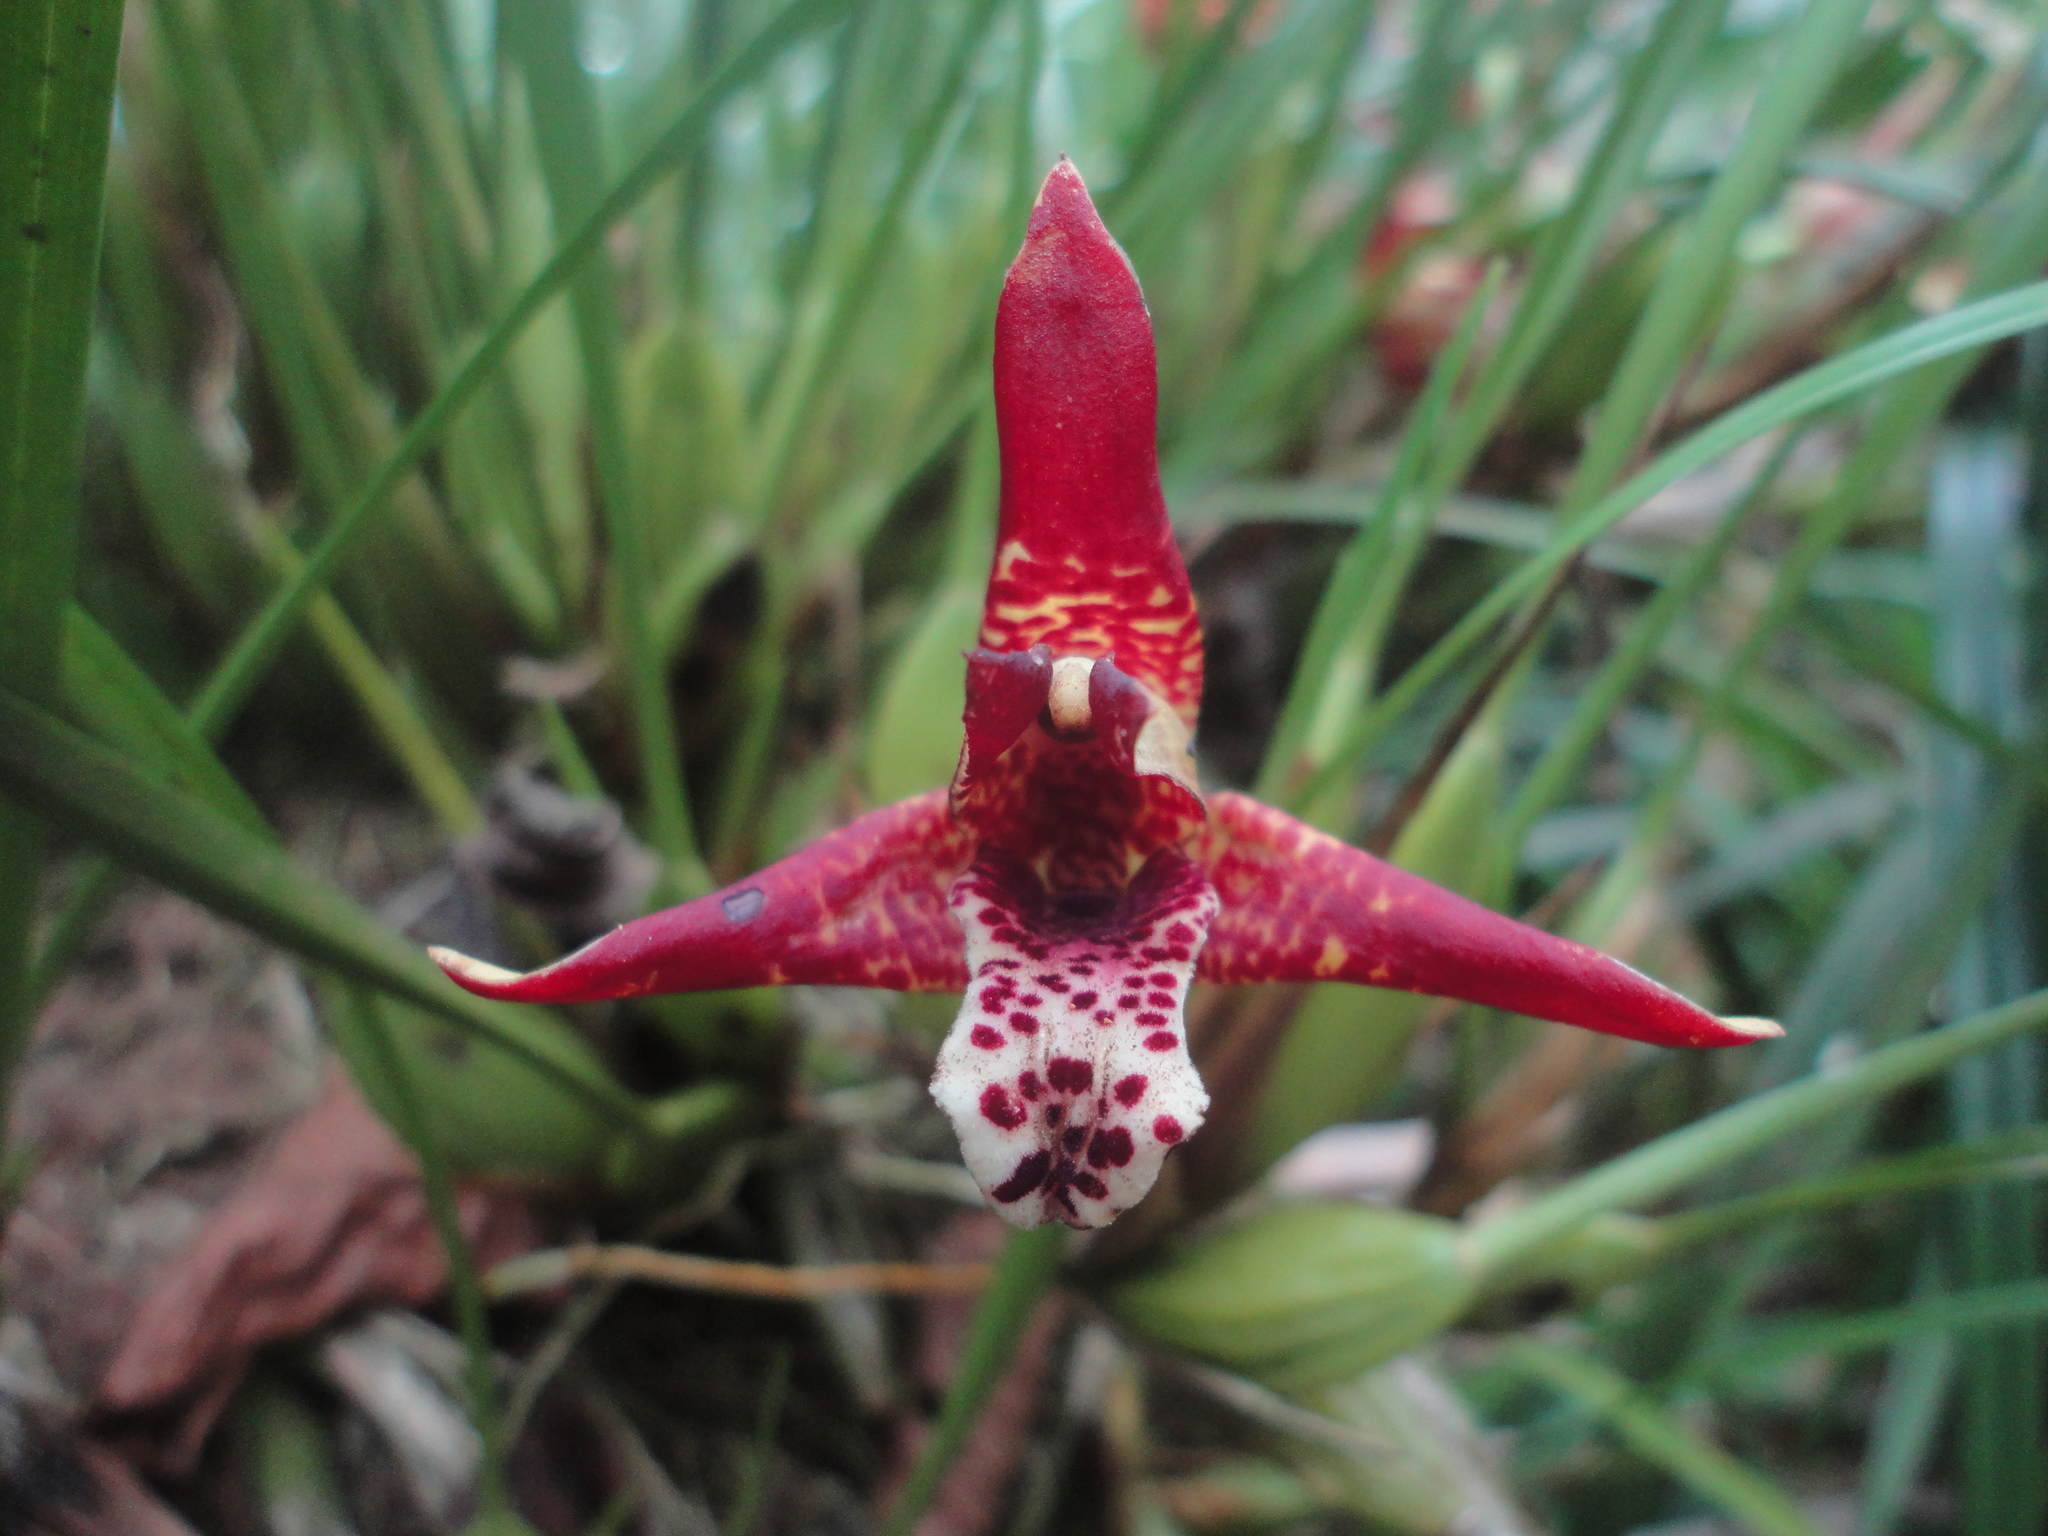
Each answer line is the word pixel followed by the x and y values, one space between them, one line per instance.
pixel 1300 906
pixel 1005 692
pixel 1067 1075
pixel 861 907
pixel 1085 559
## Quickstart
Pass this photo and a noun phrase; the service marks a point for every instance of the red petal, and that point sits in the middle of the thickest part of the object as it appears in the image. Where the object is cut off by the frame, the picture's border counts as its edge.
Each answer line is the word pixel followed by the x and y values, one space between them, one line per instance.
pixel 1300 906
pixel 861 907
pixel 1085 558
pixel 1005 692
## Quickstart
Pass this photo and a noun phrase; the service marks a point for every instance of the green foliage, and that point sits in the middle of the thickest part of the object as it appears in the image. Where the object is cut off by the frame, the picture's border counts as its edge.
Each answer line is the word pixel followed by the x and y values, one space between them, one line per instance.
pixel 56 88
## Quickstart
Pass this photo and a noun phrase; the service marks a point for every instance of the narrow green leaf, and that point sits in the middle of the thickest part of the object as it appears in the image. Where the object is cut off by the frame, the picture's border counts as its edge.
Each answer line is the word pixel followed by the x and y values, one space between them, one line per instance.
pixel 170 834
pixel 56 96
pixel 2020 1155
pixel 1975 539
pixel 541 37
pixel 1907 1416
pixel 1023 1273
pixel 1961 331
pixel 1563 258
pixel 1753 1500
pixel 1335 674
pixel 1596 704
pixel 1671 1161
pixel 107 695
pixel 259 641
pixel 360 1014
pixel 392 713
pixel 1695 273
pixel 1987 1306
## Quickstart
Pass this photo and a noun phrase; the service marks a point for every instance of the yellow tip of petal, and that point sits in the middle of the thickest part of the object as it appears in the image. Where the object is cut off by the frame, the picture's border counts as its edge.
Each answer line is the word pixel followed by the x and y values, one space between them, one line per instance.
pixel 466 968
pixel 1756 1029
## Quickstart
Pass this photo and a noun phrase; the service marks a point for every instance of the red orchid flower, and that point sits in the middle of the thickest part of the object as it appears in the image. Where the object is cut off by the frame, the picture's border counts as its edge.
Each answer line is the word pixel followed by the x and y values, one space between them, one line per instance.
pixel 1074 879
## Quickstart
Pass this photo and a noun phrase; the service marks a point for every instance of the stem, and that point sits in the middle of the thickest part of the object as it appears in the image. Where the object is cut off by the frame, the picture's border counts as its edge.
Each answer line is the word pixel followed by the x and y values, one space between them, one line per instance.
pixel 1022 1276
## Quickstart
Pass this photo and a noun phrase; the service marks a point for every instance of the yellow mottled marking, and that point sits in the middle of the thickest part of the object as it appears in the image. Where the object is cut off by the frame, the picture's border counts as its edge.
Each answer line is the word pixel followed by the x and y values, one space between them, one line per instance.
pixel 1332 959
pixel 1382 903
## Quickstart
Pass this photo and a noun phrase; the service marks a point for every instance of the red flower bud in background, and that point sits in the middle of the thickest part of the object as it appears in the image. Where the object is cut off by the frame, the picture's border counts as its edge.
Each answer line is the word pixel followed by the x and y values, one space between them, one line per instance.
pixel 1074 880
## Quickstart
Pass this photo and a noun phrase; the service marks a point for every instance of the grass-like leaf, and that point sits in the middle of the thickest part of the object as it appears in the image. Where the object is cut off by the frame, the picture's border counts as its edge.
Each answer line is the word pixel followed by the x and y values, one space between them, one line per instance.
pixel 56 97
pixel 147 820
pixel 1917 346
pixel 1744 1493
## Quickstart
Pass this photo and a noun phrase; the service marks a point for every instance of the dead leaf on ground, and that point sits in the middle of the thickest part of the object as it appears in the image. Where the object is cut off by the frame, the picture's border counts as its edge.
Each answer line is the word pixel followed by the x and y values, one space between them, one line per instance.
pixel 333 1221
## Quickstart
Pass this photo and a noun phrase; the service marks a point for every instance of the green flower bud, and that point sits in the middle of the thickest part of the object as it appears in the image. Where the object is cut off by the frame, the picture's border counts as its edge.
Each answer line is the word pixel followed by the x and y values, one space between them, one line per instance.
pixel 1304 1295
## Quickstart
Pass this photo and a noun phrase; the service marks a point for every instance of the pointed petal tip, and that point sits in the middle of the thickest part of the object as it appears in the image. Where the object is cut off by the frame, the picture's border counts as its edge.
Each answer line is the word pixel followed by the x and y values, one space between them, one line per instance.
pixel 1749 1030
pixel 473 975
pixel 1063 203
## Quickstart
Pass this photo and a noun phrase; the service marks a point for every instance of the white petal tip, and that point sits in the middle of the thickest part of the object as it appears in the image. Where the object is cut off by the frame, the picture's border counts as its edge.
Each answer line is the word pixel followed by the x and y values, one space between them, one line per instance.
pixel 1756 1029
pixel 469 970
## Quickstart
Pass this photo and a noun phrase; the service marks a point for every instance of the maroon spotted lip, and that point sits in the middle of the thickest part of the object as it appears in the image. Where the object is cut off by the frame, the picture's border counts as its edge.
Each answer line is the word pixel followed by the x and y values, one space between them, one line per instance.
pixel 1073 880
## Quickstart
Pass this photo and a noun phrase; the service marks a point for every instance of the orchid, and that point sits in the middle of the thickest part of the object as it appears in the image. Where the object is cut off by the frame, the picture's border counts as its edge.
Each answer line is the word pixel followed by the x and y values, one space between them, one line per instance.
pixel 1074 879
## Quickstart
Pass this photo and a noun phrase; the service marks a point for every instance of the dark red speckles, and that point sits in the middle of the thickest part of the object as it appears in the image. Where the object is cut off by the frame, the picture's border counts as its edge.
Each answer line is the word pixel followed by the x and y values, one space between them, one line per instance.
pixel 1161 978
pixel 1130 1089
pixel 1180 952
pixel 1030 1000
pixel 1086 1000
pixel 1003 965
pixel 999 1109
pixel 1180 933
pixel 1163 1041
pixel 1156 954
pixel 1052 983
pixel 1030 1086
pixel 1159 999
pixel 1005 934
pixel 1074 1137
pixel 1069 1074
pixel 1110 1149
pixel 1151 1020
pixel 986 1038
pixel 1105 1018
pixel 1167 1129
pixel 1054 1113
pixel 994 1000
pixel 1080 970
pixel 1090 1186
pixel 1029 1173
pixel 1128 1000
pixel 1023 1023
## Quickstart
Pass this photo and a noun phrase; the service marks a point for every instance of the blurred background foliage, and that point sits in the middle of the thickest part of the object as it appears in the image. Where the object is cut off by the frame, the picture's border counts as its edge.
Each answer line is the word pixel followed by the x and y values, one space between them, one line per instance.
pixel 538 464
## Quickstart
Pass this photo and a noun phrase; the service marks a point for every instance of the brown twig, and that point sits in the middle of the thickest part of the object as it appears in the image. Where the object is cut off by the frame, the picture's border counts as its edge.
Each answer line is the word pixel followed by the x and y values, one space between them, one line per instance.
pixel 625 1261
